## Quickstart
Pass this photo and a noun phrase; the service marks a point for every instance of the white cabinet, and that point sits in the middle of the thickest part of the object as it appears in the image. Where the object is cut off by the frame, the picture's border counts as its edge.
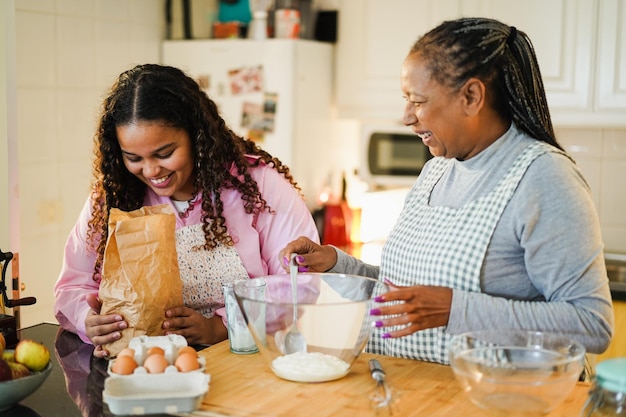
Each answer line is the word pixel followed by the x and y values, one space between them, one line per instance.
pixel 375 36
pixel 611 60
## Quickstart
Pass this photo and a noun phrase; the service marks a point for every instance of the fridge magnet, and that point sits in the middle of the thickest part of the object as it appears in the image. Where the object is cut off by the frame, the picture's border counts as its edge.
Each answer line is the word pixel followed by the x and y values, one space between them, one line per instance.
pixel 256 135
pixel 269 111
pixel 204 81
pixel 246 80
pixel 252 116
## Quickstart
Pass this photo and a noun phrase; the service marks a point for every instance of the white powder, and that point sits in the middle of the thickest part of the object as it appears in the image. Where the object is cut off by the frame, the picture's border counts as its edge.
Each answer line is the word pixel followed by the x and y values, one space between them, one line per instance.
pixel 309 367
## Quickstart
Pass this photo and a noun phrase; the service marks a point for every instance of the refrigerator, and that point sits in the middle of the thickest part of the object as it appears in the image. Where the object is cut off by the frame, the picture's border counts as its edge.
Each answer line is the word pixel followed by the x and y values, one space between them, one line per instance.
pixel 278 92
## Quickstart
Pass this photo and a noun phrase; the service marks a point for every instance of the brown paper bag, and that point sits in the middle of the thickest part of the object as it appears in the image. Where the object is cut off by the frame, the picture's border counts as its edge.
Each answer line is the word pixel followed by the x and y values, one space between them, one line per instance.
pixel 140 276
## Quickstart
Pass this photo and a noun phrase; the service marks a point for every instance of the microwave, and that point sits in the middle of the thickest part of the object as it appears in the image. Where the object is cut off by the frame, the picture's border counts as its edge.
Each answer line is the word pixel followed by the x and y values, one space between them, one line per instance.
pixel 391 155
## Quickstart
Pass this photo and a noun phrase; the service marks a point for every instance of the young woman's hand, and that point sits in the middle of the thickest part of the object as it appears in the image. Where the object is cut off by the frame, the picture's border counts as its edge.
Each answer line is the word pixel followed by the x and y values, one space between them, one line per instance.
pixel 197 329
pixel 311 256
pixel 102 329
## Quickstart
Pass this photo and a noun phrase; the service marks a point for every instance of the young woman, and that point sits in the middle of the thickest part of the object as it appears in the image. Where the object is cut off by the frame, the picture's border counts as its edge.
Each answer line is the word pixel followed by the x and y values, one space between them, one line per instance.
pixel 161 140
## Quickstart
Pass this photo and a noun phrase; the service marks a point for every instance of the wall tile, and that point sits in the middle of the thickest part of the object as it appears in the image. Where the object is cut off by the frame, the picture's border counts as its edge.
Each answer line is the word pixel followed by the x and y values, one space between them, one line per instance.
pixel 587 142
pixel 614 143
pixel 150 12
pixel 77 117
pixel 614 238
pixel 613 200
pixel 74 185
pixel 113 49
pixel 35 49
pixel 118 10
pixel 76 52
pixel 36 127
pixel 84 8
pixel 40 203
pixel 35 5
pixel 145 46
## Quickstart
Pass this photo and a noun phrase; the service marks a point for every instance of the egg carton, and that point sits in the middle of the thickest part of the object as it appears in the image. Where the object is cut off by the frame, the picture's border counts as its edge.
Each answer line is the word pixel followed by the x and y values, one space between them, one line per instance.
pixel 156 393
pixel 170 345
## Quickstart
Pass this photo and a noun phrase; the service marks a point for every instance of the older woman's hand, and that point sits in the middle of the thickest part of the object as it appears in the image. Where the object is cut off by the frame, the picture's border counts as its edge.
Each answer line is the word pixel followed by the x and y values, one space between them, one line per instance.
pixel 423 307
pixel 311 256
pixel 102 329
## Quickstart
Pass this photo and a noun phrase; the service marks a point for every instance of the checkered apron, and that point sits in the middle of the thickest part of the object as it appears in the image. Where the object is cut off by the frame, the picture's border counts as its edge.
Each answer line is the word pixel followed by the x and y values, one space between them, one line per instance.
pixel 443 246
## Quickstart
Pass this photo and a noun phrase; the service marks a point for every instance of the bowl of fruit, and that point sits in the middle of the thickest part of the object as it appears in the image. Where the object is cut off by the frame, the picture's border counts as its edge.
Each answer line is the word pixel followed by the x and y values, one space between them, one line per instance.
pixel 22 370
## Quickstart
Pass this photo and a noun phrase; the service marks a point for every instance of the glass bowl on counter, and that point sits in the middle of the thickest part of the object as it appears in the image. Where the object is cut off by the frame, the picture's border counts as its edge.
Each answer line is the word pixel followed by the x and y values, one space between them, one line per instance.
pixel 331 315
pixel 516 372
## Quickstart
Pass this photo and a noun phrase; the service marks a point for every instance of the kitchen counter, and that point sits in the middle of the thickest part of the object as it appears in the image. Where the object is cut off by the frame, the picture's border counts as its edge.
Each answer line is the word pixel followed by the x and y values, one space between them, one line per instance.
pixel 243 385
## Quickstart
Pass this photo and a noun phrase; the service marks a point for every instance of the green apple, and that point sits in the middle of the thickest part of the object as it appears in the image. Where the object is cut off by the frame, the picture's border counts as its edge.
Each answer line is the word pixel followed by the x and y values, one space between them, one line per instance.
pixel 32 354
pixel 5 371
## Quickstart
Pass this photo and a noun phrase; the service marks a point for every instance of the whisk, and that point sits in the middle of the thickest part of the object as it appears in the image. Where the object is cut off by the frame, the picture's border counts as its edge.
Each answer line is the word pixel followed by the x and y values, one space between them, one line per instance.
pixel 382 395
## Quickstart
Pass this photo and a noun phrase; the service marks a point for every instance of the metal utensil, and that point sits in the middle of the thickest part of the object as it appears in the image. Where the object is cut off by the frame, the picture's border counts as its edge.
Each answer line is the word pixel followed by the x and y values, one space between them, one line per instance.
pixel 294 340
pixel 382 394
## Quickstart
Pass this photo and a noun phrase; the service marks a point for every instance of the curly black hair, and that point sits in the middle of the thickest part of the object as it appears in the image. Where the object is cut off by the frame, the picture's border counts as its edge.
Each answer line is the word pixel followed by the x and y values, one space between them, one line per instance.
pixel 499 55
pixel 164 94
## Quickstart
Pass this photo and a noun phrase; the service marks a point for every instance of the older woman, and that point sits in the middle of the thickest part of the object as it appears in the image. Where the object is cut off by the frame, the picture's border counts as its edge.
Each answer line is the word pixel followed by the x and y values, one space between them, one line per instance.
pixel 499 231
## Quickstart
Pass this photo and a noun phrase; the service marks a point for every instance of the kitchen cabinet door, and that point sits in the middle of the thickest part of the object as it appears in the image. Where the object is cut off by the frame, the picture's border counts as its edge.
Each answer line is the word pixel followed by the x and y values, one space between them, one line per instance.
pixel 374 38
pixel 611 68
pixel 375 35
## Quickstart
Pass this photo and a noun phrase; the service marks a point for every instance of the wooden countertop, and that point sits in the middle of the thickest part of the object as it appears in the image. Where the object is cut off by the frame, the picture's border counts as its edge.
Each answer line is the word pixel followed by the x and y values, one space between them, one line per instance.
pixel 244 385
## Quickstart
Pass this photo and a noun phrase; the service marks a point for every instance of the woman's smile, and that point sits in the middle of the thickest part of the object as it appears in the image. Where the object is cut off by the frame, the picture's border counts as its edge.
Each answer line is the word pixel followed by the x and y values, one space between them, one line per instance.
pixel 150 149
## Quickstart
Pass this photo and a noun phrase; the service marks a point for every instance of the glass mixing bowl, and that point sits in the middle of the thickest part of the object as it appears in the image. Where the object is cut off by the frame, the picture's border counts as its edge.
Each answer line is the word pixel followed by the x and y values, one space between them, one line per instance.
pixel 332 315
pixel 516 372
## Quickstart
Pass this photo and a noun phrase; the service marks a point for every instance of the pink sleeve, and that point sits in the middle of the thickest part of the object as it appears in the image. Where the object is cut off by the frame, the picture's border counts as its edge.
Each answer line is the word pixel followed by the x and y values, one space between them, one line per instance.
pixel 76 278
pixel 290 218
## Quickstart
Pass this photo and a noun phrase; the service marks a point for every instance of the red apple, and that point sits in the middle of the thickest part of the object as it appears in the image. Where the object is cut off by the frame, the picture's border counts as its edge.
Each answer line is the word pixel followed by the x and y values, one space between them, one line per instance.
pixel 19 370
pixel 32 354
pixel 5 371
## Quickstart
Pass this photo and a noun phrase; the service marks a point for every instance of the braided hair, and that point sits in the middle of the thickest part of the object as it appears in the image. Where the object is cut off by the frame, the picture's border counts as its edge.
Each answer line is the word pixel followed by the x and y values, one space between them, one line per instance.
pixel 164 94
pixel 502 57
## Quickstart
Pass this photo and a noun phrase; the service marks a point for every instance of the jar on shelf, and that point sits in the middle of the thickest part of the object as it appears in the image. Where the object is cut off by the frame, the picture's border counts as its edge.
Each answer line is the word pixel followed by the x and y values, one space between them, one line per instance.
pixel 607 397
pixel 287 19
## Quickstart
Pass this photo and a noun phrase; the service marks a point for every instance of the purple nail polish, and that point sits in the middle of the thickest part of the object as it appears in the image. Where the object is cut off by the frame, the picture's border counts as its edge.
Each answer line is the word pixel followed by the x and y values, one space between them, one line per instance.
pixel 300 259
pixel 379 324
pixel 303 269
pixel 285 260
pixel 386 336
pixel 379 299
pixel 375 312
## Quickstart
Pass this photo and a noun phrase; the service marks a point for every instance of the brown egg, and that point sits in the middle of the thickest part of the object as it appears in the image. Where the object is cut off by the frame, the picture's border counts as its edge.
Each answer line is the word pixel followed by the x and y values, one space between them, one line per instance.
pixel 187 349
pixel 124 365
pixel 187 361
pixel 157 350
pixel 127 352
pixel 155 364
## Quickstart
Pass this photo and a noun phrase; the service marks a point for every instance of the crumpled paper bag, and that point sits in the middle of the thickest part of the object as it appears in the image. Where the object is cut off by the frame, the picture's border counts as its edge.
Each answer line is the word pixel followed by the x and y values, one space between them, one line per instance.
pixel 140 275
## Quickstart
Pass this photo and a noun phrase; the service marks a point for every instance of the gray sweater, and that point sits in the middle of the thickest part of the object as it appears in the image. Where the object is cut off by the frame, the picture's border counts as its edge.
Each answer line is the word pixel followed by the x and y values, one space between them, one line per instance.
pixel 544 268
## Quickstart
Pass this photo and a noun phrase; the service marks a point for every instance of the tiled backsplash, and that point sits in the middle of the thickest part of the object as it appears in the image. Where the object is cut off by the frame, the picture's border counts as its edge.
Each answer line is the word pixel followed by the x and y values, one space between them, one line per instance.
pixel 601 156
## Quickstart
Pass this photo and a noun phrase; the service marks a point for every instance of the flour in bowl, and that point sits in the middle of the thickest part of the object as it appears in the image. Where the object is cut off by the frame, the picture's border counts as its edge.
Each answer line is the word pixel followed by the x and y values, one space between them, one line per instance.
pixel 309 367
